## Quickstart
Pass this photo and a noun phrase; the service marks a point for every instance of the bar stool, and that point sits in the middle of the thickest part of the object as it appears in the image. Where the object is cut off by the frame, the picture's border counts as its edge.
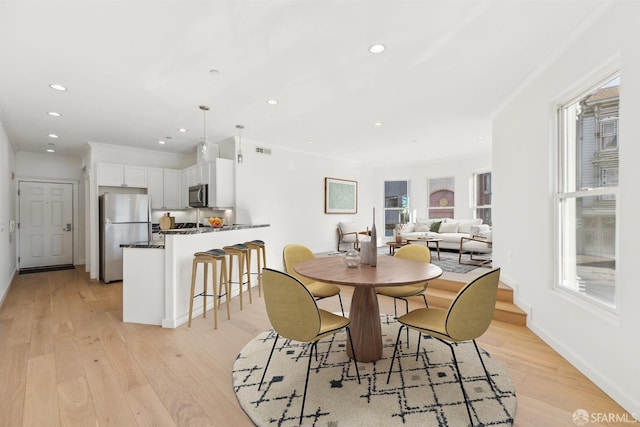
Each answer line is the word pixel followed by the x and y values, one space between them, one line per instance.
pixel 261 257
pixel 241 251
pixel 210 257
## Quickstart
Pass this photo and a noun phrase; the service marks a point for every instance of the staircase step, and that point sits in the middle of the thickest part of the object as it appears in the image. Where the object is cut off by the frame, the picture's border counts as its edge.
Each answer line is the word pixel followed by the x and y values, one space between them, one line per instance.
pixel 505 293
pixel 441 293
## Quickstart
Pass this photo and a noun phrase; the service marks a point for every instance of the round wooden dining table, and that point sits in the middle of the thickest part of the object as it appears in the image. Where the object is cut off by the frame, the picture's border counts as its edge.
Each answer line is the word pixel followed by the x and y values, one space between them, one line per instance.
pixel 365 312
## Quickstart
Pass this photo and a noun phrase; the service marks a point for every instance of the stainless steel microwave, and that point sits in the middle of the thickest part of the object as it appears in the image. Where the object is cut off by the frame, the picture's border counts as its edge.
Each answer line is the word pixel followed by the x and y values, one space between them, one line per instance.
pixel 198 196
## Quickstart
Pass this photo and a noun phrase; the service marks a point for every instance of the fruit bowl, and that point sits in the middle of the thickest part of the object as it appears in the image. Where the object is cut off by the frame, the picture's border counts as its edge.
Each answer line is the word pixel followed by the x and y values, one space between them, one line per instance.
pixel 215 222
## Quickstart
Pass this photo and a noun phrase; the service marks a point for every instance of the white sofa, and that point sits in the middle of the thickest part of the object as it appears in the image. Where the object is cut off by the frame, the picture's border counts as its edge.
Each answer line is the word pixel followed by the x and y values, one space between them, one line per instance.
pixel 451 231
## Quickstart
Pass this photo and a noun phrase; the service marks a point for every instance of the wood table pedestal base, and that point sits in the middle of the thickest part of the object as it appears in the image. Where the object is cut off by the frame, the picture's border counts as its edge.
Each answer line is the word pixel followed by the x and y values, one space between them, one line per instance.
pixel 365 325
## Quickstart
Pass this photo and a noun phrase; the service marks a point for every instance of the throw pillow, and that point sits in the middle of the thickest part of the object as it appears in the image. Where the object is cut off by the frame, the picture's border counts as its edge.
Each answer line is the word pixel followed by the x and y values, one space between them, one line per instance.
pixel 423 226
pixel 448 227
pixel 410 227
pixel 435 227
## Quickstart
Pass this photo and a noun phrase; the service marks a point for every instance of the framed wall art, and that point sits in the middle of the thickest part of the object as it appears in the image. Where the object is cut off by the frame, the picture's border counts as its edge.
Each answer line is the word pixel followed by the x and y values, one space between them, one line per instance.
pixel 340 196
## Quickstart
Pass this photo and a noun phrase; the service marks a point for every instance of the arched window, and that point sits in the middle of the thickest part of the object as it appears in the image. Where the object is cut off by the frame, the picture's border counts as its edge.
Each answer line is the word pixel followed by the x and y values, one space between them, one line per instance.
pixel 441 197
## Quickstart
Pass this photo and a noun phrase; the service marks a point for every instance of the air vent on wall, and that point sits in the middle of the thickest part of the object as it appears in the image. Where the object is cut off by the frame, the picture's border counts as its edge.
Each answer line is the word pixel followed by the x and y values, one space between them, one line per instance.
pixel 263 150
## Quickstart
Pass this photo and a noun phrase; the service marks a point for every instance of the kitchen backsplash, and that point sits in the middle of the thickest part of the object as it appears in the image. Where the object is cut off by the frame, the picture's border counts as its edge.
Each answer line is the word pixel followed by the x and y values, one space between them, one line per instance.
pixel 189 215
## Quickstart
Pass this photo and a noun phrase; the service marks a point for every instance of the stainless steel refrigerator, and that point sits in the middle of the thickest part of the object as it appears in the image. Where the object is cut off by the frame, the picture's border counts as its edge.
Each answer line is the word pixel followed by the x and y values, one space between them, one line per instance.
pixel 124 218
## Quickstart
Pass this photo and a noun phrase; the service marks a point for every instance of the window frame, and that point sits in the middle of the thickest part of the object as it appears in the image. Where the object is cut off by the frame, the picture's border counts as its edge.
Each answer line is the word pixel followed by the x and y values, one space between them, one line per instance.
pixel 441 184
pixel 402 210
pixel 566 188
pixel 474 193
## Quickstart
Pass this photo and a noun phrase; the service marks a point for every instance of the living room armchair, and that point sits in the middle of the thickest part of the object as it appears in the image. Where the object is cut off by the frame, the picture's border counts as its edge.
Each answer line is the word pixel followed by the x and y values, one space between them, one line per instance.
pixel 479 243
pixel 350 232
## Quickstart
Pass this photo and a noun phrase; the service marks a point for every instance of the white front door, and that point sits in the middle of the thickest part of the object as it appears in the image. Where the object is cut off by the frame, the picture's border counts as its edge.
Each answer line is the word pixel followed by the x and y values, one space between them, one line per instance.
pixel 45 224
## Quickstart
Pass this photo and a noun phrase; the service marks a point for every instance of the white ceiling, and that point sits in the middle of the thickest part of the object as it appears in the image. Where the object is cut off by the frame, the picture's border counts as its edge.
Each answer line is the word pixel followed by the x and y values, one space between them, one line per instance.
pixel 136 71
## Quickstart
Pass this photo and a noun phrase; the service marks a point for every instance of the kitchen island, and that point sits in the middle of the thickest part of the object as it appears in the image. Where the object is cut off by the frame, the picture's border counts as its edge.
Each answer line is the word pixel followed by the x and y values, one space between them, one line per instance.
pixel 157 274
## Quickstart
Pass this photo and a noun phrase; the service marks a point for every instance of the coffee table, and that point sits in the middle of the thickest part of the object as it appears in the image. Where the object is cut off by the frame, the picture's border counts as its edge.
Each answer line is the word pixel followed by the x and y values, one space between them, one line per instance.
pixel 393 245
pixel 427 240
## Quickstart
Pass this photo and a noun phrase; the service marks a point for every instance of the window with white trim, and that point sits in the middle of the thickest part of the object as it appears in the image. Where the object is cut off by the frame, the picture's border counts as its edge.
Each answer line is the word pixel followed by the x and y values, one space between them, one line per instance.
pixel 396 205
pixel 588 161
pixel 482 196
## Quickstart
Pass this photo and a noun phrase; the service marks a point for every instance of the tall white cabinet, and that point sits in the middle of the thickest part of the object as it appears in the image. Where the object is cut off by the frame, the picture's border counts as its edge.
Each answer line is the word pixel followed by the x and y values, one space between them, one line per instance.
pixel 221 183
pixel 164 188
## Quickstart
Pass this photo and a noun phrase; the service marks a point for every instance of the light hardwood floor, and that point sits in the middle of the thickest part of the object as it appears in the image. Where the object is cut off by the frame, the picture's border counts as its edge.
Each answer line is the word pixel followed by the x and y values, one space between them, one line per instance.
pixel 67 359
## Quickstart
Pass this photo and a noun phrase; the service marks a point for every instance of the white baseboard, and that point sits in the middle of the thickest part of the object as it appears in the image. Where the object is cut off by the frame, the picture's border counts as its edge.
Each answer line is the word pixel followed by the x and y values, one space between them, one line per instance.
pixel 629 403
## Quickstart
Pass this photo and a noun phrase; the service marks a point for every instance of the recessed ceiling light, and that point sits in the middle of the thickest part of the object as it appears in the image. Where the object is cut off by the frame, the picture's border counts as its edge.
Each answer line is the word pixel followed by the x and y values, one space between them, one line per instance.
pixel 57 87
pixel 310 142
pixel 272 101
pixel 50 150
pixel 54 114
pixel 377 124
pixel 52 135
pixel 161 142
pixel 376 48
pixel 183 130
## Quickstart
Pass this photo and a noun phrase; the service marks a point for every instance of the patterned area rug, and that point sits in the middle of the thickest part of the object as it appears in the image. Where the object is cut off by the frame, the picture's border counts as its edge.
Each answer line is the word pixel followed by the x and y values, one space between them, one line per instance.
pixel 425 393
pixel 448 261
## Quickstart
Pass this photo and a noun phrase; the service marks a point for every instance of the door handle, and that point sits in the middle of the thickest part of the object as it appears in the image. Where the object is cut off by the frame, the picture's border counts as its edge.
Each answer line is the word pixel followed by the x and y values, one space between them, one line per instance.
pixel 68 227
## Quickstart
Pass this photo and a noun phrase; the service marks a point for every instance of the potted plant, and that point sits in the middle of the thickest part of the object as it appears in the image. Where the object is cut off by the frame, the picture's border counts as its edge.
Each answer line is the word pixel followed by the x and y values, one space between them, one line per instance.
pixel 397 232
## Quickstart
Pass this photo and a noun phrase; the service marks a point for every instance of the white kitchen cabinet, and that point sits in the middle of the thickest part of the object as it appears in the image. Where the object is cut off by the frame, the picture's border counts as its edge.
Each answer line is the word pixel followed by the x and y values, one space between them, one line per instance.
pixel 155 190
pixel 110 174
pixel 172 187
pixel 191 176
pixel 184 188
pixel 221 183
pixel 119 175
pixel 135 176
pixel 197 174
pixel 164 188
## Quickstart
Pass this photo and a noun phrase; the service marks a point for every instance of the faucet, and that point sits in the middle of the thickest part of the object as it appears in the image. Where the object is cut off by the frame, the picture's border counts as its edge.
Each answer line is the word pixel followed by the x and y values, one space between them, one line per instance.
pixel 197 218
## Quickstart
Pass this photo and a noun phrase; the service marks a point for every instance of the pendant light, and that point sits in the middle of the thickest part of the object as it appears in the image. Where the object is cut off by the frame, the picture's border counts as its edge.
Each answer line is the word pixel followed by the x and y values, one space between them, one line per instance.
pixel 240 156
pixel 204 148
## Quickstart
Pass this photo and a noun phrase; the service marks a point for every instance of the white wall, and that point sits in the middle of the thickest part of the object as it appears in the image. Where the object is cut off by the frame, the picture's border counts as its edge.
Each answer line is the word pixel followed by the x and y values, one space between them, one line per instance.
pixel 286 189
pixel 135 156
pixel 603 345
pixel 461 169
pixel 7 214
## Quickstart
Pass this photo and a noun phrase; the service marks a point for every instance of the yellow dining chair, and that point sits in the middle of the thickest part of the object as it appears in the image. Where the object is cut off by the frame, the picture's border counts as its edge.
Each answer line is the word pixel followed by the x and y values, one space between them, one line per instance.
pixel 467 318
pixel 416 253
pixel 292 255
pixel 294 315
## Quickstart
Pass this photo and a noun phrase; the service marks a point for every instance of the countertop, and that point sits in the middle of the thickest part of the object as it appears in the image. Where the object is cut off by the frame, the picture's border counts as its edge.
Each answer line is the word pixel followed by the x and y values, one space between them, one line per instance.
pixel 159 243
